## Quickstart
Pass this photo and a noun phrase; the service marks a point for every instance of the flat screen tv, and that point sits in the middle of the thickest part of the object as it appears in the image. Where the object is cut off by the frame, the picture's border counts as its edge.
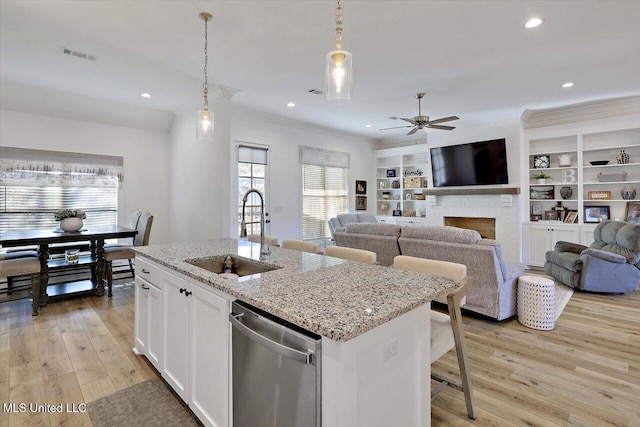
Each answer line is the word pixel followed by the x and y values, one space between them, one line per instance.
pixel 476 163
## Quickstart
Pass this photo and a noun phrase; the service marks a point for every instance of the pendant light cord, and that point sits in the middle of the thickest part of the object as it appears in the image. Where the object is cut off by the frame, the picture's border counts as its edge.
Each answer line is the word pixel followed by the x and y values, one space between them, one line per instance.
pixel 205 86
pixel 338 13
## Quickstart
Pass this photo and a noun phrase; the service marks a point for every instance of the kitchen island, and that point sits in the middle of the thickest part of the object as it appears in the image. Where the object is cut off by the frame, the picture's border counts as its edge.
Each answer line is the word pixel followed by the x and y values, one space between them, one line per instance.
pixel 373 320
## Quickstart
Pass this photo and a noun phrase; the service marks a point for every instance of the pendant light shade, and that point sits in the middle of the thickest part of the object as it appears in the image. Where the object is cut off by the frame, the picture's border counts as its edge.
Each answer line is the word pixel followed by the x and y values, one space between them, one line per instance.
pixel 338 72
pixel 339 77
pixel 204 129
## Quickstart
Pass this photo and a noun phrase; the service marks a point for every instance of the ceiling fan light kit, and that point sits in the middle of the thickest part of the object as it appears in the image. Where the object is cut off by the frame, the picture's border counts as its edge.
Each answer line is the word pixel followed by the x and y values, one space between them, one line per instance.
pixel 422 122
pixel 204 130
pixel 339 71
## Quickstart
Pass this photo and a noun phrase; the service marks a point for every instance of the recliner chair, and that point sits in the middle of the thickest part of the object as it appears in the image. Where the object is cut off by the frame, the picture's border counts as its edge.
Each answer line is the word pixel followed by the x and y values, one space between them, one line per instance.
pixel 611 264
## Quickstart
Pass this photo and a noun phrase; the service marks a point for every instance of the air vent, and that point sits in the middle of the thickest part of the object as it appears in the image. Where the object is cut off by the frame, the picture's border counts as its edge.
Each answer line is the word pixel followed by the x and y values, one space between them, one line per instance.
pixel 316 91
pixel 78 54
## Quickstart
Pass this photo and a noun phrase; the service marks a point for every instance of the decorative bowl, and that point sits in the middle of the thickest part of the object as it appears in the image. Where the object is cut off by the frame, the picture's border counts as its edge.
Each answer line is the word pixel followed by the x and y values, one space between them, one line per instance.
pixel 599 162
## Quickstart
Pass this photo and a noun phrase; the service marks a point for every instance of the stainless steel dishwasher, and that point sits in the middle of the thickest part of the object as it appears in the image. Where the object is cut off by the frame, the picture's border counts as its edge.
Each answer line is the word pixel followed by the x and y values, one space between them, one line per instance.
pixel 276 371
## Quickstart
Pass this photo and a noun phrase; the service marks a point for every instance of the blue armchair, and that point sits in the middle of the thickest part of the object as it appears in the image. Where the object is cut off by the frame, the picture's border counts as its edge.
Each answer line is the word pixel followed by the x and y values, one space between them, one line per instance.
pixel 611 264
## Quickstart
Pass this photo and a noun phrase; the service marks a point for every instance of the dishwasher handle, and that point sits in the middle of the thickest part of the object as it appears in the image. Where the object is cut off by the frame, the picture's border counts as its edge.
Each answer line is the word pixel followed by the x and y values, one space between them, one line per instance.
pixel 291 353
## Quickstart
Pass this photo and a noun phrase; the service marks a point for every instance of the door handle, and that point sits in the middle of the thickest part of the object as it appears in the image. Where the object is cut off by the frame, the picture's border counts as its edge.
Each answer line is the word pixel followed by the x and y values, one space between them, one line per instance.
pixel 145 271
pixel 291 353
pixel 187 293
pixel 146 288
pixel 183 290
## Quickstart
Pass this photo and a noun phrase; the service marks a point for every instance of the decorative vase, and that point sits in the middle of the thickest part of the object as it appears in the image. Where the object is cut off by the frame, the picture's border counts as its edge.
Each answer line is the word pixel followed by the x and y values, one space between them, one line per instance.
pixel 71 225
pixel 566 192
pixel 628 193
pixel 542 180
pixel 565 160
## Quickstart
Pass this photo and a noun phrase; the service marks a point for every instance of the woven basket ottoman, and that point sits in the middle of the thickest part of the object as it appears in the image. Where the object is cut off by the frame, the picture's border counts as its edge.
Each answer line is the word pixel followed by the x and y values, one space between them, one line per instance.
pixel 536 302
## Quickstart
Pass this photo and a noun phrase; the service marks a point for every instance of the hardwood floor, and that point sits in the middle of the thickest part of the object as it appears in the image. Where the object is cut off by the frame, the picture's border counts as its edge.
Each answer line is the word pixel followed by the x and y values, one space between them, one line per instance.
pixel 586 372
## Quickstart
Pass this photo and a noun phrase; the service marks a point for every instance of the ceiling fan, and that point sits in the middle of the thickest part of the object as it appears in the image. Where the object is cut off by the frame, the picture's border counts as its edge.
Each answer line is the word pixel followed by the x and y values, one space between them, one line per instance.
pixel 422 122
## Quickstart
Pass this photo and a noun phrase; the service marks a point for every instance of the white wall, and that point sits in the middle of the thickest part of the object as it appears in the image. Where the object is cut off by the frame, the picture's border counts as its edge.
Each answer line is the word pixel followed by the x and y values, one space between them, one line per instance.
pixel 285 192
pixel 145 152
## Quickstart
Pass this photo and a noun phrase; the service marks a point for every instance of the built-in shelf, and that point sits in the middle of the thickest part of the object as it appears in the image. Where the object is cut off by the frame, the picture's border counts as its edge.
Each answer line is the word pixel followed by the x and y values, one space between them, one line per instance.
pixel 471 191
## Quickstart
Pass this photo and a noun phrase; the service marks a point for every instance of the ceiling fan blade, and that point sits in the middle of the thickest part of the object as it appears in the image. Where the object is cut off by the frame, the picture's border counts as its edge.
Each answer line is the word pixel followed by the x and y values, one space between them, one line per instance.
pixel 440 127
pixel 444 119
pixel 397 127
pixel 413 122
pixel 414 130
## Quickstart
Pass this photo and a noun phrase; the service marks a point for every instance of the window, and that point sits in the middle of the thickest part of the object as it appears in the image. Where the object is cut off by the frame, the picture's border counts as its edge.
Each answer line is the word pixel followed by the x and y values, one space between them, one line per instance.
pixel 325 176
pixel 252 173
pixel 36 183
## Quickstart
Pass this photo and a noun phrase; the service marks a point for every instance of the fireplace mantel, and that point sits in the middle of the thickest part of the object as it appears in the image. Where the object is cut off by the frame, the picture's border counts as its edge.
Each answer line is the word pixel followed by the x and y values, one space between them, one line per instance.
pixel 470 191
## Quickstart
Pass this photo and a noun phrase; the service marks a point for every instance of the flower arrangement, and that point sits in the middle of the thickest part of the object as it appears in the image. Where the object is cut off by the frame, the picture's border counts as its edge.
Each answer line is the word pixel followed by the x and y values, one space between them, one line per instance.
pixel 541 175
pixel 69 213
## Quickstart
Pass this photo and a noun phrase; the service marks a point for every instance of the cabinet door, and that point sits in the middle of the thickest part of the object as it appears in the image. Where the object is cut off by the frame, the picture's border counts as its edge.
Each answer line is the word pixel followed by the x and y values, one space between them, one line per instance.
pixel 176 334
pixel 209 356
pixel 537 243
pixel 565 234
pixel 586 235
pixel 141 316
pixel 155 348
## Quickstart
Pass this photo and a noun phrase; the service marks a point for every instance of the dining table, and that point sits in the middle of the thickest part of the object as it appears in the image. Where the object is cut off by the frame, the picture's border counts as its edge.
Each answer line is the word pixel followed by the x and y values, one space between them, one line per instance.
pixel 44 238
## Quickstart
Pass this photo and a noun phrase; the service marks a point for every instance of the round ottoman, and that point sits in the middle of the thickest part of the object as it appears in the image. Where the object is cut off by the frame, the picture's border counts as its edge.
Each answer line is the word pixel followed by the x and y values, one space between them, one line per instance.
pixel 536 302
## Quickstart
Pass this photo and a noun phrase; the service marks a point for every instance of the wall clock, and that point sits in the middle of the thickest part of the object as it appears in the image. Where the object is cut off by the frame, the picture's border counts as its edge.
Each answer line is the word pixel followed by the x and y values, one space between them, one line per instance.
pixel 541 162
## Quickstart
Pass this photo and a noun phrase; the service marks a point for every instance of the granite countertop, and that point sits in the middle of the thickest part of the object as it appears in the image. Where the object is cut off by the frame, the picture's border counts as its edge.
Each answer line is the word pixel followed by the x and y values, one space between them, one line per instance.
pixel 335 298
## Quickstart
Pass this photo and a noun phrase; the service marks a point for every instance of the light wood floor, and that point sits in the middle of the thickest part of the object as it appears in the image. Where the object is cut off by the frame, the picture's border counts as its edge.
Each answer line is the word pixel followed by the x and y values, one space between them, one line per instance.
pixel 586 372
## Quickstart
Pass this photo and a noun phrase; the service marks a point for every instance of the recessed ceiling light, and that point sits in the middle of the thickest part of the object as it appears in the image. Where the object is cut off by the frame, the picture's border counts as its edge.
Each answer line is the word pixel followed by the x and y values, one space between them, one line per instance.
pixel 567 84
pixel 533 22
pixel 291 104
pixel 367 126
pixel 145 95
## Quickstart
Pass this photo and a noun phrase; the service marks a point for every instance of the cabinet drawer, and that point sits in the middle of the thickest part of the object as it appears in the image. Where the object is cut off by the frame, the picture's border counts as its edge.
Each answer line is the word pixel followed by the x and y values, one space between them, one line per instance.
pixel 148 271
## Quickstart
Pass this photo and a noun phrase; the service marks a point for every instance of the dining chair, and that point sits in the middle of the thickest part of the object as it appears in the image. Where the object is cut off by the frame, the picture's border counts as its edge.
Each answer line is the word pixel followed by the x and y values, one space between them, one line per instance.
pixel 299 245
pixel 447 331
pixel 126 252
pixel 352 254
pixel 22 266
pixel 271 241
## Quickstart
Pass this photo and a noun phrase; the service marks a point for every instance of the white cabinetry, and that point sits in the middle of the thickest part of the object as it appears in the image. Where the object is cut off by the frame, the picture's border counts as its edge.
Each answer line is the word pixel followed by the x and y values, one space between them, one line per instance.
pixel 148 317
pixel 540 238
pixel 401 178
pixel 183 329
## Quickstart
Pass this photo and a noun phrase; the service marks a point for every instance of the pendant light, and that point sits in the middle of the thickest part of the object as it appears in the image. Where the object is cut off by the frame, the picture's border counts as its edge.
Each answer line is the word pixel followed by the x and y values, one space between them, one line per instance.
pixel 205 117
pixel 339 75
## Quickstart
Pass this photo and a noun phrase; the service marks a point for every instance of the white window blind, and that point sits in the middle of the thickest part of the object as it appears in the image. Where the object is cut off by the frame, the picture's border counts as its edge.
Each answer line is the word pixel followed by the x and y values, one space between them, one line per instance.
pixel 324 189
pixel 36 183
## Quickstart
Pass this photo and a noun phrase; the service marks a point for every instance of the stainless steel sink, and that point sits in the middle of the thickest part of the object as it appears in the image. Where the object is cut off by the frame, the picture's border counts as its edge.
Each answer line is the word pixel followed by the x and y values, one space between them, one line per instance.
pixel 241 266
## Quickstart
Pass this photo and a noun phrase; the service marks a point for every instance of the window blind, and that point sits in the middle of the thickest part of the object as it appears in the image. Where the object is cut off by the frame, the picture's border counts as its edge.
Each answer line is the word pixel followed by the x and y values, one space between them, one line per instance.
pixel 324 195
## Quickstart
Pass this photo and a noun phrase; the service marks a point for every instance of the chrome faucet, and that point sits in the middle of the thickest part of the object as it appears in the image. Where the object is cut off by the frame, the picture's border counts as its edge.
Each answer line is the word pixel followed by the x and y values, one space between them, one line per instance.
pixel 264 247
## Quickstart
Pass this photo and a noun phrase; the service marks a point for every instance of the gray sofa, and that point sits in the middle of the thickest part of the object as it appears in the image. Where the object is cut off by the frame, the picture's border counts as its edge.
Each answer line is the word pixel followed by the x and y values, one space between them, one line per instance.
pixel 341 221
pixel 494 280
pixel 611 264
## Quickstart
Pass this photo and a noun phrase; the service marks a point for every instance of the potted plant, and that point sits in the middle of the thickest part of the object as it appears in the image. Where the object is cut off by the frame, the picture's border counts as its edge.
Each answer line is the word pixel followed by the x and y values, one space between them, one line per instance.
pixel 70 219
pixel 541 177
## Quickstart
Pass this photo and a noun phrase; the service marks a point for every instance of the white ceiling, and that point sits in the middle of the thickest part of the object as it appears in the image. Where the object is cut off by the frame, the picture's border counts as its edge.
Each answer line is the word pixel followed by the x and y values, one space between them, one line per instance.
pixel 474 58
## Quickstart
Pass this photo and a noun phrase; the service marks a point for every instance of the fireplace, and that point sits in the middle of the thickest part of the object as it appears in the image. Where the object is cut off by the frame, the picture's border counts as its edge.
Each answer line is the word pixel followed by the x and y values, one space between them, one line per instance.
pixel 485 226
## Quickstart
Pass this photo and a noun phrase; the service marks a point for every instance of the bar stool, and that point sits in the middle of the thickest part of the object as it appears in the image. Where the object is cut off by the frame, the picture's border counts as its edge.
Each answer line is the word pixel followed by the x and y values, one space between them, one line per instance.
pixel 269 240
pixel 352 254
pixel 299 245
pixel 23 266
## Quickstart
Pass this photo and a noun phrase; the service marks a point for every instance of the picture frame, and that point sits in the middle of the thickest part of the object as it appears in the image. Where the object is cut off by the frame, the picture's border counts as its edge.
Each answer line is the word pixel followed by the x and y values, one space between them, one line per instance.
pixel 595 214
pixel 632 213
pixel 536 210
pixel 361 203
pixel 408 196
pixel 542 192
pixel 572 217
pixel 397 212
pixel 551 215
pixel 536 217
pixel 391 173
pixel 361 187
pixel 383 185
